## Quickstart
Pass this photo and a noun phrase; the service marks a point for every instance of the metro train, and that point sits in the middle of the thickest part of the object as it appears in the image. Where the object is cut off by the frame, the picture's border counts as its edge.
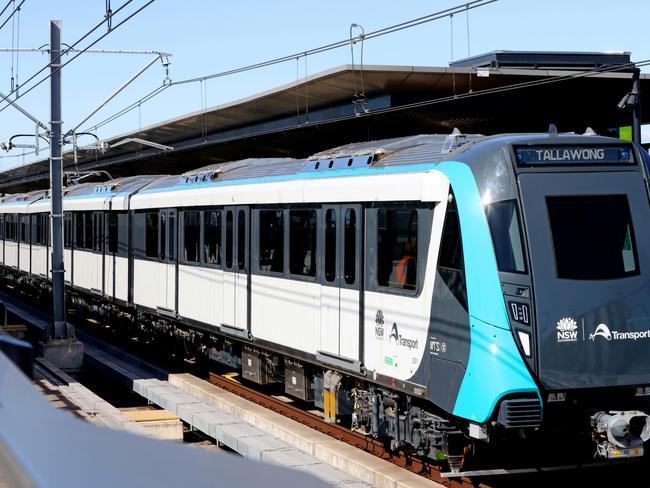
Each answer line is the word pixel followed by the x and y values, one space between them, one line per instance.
pixel 440 292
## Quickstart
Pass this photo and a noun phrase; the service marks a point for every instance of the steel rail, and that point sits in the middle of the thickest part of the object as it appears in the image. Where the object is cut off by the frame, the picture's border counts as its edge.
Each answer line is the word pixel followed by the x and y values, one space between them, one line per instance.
pixel 356 439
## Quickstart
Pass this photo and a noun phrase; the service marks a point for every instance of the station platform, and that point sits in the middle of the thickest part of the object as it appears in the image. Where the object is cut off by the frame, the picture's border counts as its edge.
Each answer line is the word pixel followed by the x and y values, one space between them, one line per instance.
pixel 348 459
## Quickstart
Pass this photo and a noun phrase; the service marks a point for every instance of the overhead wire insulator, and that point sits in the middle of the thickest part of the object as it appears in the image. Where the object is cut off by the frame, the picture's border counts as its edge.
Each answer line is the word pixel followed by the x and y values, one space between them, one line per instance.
pixel 166 62
pixel 108 16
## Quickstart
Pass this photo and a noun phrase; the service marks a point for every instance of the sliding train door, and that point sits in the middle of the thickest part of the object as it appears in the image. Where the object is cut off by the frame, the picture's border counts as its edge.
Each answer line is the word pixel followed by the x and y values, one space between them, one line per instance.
pixel 236 270
pixel 340 296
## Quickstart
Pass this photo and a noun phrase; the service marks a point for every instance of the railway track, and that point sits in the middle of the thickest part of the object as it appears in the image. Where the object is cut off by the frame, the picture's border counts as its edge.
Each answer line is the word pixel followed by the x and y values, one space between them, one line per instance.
pixel 338 432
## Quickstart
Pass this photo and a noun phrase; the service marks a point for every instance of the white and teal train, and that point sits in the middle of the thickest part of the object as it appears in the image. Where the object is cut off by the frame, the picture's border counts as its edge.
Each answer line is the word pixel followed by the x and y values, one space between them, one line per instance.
pixel 438 291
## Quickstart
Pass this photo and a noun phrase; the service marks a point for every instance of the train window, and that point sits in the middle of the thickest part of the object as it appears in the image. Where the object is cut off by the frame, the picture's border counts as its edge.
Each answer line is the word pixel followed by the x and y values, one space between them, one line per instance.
pixel 98 233
pixel 330 245
pixel 212 237
pixel 593 237
pixel 229 240
pixel 191 236
pixel 67 230
pixel 302 242
pixel 171 235
pixel 13 226
pixel 88 231
pixel 241 240
pixel 24 228
pixel 123 234
pixel 350 244
pixel 163 234
pixel 43 234
pixel 451 248
pixel 451 266
pixel 151 235
pixel 503 220
pixel 2 226
pixel 112 232
pixel 397 248
pixel 271 255
pixel 79 230
pixel 40 233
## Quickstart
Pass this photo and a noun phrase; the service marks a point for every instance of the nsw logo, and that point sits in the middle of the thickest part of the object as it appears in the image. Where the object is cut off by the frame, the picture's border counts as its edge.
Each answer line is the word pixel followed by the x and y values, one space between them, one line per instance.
pixel 567 330
pixel 603 331
pixel 379 325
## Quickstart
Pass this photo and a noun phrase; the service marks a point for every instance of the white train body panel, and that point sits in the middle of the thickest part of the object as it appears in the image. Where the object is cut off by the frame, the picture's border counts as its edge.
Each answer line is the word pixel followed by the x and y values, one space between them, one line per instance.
pixel 67 263
pixel 286 312
pixel 154 284
pixel 87 270
pixel 200 294
pixel 11 254
pixel 40 260
pixel 116 277
pixel 24 257
pixel 298 314
pixel 410 314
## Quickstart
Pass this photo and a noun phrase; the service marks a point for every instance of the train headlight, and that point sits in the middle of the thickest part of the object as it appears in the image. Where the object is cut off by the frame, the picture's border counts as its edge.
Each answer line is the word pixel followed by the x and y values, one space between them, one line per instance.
pixel 524 340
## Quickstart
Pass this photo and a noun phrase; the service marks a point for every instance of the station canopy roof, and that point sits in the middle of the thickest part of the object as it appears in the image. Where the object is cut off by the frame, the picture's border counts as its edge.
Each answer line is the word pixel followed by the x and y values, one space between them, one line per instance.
pixel 499 92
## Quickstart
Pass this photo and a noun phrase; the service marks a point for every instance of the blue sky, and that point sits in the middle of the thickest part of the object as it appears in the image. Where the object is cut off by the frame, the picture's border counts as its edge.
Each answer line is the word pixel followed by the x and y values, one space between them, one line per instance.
pixel 208 36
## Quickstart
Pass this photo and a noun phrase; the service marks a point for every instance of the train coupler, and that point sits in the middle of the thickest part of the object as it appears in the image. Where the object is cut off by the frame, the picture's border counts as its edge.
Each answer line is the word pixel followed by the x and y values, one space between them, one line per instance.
pixel 620 435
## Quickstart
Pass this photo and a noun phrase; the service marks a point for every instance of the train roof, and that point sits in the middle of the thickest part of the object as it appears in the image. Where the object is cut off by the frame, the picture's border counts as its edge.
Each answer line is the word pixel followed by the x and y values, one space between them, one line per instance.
pixel 485 155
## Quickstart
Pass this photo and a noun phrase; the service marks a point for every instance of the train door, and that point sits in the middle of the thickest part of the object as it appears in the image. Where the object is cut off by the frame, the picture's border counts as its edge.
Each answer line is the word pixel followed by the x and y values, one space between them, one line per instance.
pixel 340 295
pixel 236 268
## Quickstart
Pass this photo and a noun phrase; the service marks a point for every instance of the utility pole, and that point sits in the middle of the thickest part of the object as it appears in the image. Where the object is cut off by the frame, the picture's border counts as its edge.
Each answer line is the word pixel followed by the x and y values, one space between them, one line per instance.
pixel 59 329
pixel 60 346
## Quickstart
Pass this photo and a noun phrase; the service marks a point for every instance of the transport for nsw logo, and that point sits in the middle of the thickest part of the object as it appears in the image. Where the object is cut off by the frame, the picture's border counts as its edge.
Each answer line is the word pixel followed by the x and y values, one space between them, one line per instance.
pixel 603 331
pixel 567 330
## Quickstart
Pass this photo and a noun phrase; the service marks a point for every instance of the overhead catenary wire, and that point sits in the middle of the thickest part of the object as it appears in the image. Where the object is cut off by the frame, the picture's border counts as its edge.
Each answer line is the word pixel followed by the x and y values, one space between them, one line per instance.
pixel 129 108
pixel 87 51
pixel 304 54
pixel 80 52
pixel 6 7
pixel 344 43
pixel 11 15
pixel 486 92
pixel 65 51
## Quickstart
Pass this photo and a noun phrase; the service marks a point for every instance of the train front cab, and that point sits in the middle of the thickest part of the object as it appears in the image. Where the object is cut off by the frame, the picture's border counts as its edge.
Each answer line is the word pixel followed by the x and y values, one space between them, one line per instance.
pixel 573 252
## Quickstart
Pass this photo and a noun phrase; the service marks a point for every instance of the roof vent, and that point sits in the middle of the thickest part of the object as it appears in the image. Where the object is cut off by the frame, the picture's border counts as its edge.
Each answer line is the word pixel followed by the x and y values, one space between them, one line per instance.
pixel 341 162
pixel 590 132
pixel 453 141
pixel 552 130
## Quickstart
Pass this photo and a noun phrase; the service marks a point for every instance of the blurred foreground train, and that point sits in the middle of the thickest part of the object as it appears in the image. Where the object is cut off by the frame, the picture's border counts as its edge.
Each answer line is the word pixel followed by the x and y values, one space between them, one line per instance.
pixel 442 292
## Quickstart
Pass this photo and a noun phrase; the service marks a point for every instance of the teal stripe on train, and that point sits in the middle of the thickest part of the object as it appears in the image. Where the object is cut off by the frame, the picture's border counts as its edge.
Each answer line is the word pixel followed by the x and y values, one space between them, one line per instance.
pixel 495 367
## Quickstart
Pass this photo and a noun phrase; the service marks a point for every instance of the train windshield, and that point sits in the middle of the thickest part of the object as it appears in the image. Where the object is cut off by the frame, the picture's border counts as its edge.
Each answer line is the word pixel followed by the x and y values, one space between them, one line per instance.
pixel 503 220
pixel 593 237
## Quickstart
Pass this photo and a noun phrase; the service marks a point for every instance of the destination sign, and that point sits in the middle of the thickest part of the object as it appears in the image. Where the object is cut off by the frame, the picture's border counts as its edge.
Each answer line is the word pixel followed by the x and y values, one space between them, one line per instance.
pixel 578 155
